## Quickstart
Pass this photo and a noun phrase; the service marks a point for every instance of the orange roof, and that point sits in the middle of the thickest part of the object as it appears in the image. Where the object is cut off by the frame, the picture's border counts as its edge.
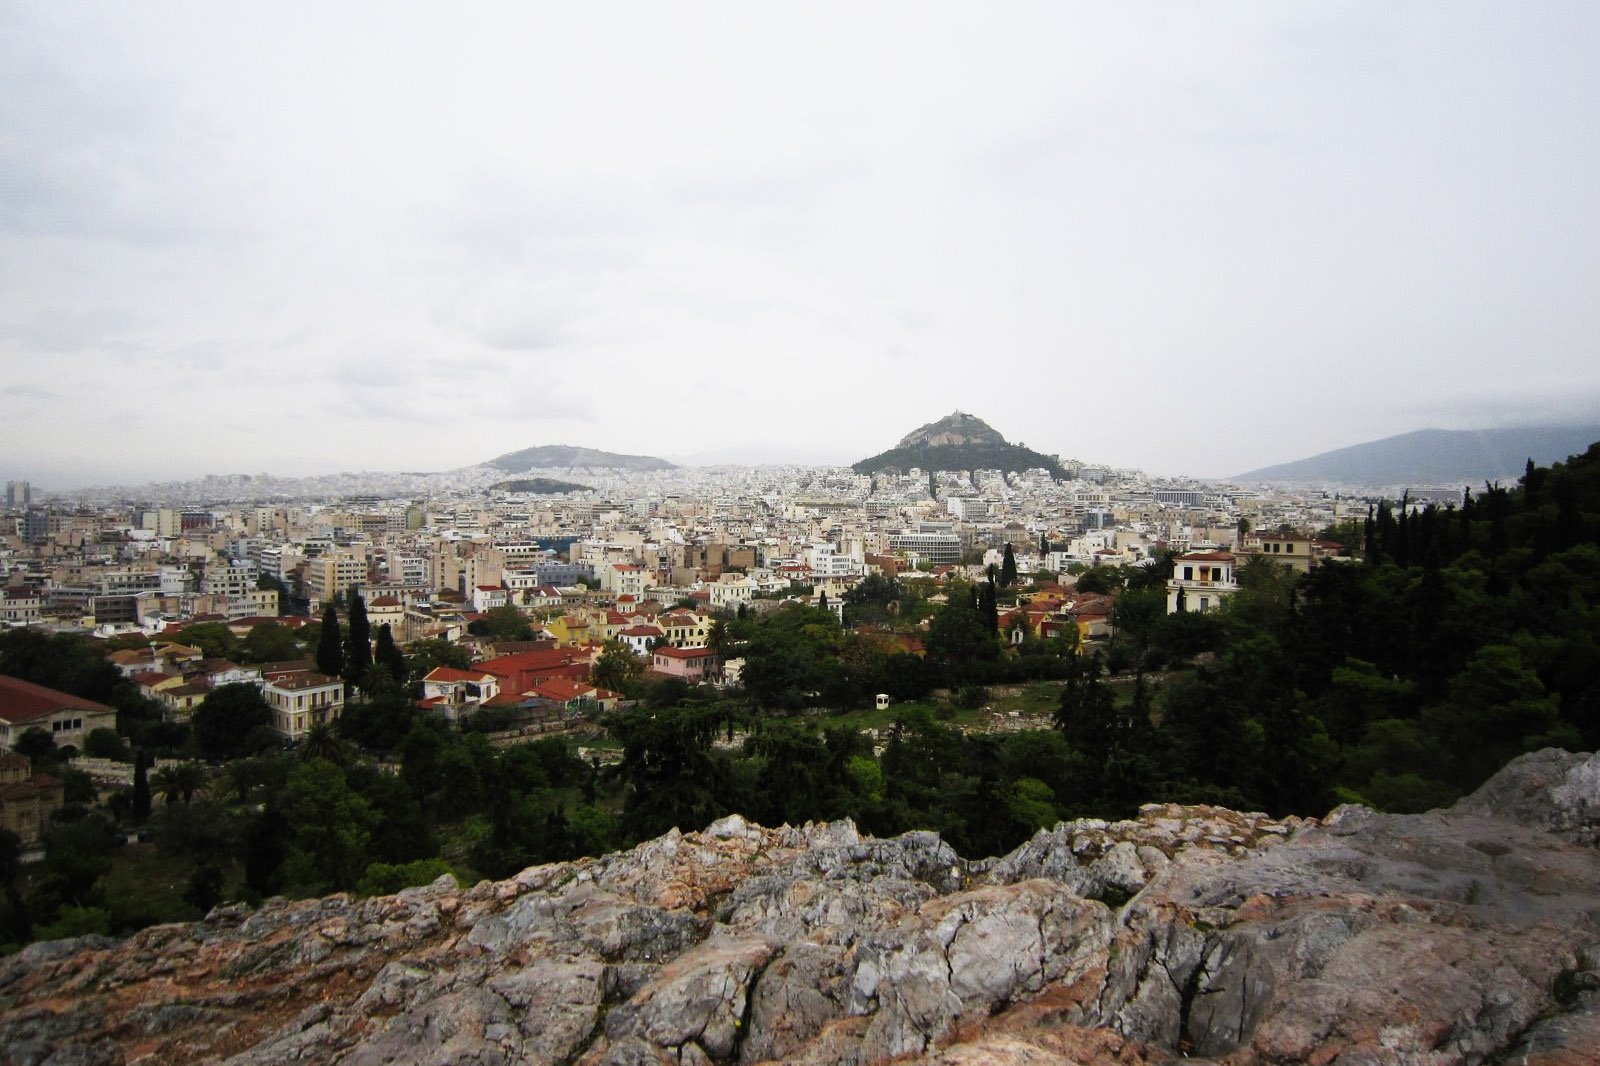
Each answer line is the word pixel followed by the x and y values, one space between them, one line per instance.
pixel 562 689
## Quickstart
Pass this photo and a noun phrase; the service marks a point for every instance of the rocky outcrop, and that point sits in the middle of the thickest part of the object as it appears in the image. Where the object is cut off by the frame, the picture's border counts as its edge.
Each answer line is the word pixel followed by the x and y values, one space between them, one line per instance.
pixel 1470 935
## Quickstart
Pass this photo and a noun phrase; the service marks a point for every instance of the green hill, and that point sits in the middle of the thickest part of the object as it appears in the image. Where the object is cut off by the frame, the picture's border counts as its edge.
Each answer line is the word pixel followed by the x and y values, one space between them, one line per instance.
pixel 958 441
pixel 543 486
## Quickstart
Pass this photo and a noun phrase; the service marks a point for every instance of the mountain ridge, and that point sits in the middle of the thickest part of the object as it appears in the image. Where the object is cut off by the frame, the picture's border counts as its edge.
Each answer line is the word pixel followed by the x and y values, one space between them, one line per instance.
pixel 1437 457
pixel 548 456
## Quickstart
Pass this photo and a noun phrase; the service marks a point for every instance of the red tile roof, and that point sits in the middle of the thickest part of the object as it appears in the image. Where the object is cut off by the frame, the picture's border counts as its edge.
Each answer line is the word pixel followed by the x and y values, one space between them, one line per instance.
pixel 23 701
pixel 446 674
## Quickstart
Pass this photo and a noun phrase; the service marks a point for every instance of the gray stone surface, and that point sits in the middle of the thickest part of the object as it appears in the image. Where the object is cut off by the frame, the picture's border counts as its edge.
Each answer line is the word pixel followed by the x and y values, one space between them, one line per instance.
pixel 1463 936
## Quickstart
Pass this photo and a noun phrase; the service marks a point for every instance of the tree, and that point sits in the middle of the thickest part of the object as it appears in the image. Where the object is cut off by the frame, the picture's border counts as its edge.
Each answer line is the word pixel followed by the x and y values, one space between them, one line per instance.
pixel 959 632
pixel 215 640
pixel 14 921
pixel 423 656
pixel 389 656
pixel 36 744
pixel 322 742
pixel 1008 568
pixel 141 788
pixel 269 642
pixel 616 667
pixel 105 744
pixel 502 623
pixel 286 599
pixel 330 645
pixel 179 782
pixel 358 649
pixel 226 722
pixel 667 765
pixel 329 828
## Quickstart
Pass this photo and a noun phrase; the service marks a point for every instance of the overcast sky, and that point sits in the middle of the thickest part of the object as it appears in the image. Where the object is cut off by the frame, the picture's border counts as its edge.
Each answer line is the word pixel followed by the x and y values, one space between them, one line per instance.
pixel 1194 238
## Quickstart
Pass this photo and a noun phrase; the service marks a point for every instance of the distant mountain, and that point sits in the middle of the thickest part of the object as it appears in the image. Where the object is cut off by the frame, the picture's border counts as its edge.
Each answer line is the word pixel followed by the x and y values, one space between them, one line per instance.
pixel 564 455
pixel 542 486
pixel 1435 457
pixel 957 441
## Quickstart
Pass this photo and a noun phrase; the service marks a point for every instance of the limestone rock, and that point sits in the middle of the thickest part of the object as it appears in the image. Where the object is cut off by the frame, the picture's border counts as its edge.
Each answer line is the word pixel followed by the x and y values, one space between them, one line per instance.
pixel 1457 937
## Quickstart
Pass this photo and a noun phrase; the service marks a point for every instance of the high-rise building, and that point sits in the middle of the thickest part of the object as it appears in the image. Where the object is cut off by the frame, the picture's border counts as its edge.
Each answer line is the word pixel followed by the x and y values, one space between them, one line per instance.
pixel 18 494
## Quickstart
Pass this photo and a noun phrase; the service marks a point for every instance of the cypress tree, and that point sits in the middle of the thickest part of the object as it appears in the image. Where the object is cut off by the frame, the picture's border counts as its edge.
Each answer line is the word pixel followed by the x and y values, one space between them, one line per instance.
pixel 330 648
pixel 990 608
pixel 1008 568
pixel 389 655
pixel 141 788
pixel 358 653
pixel 1402 542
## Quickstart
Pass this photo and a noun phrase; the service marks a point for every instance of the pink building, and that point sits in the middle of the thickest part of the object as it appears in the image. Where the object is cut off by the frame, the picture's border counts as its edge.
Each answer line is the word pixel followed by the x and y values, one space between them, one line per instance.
pixel 692 664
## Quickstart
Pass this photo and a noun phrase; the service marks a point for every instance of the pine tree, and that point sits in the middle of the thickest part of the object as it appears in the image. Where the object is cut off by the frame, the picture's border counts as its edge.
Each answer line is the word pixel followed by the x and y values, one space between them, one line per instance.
pixel 989 606
pixel 330 648
pixel 1008 568
pixel 358 652
pixel 1044 545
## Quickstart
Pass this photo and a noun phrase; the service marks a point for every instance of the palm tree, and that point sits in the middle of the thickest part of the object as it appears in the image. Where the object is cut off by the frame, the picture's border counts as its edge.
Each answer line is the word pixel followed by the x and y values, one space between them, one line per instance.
pixel 321 742
pixel 179 782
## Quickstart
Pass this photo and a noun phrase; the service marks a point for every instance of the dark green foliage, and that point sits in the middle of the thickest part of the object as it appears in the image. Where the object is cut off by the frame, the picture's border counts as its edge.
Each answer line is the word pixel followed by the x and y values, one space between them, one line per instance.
pixel 269 642
pixel 790 655
pixel 288 603
pixel 502 623
pixel 871 601
pixel 616 668
pixel 358 646
pixel 214 639
pixel 15 923
pixel 229 721
pixel 384 879
pixel 389 656
pixel 378 724
pixel 424 655
pixel 1008 568
pixel 330 644
pixel 140 808
pixel 36 744
pixel 329 830
pixel 961 632
pixel 106 744
pixel 977 456
pixel 667 768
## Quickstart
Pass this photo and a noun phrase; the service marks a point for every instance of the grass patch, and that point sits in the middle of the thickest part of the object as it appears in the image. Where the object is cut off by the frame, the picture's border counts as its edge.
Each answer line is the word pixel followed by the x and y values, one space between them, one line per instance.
pixel 145 887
